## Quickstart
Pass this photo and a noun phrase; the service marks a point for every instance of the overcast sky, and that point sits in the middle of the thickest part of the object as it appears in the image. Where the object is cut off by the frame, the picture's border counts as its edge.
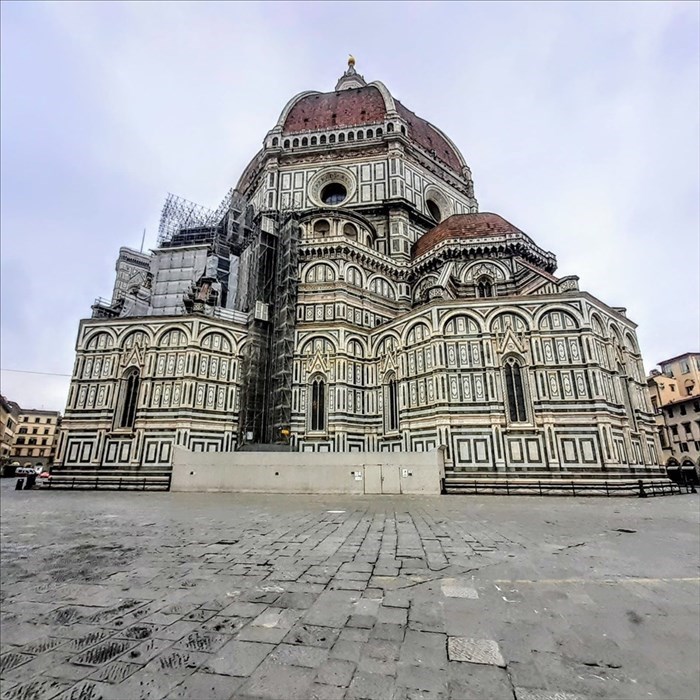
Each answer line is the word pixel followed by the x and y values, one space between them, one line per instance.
pixel 580 122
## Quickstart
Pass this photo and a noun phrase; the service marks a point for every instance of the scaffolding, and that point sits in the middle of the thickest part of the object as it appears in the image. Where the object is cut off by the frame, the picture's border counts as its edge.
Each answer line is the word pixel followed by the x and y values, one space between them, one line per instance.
pixel 183 222
pixel 267 292
pixel 284 320
pixel 271 262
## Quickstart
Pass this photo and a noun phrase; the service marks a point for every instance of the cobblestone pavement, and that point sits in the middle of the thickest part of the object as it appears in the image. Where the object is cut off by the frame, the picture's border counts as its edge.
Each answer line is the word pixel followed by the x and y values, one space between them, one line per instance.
pixel 196 596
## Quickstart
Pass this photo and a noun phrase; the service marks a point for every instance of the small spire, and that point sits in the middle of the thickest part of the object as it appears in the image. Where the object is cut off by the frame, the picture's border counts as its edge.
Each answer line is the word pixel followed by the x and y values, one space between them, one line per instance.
pixel 351 61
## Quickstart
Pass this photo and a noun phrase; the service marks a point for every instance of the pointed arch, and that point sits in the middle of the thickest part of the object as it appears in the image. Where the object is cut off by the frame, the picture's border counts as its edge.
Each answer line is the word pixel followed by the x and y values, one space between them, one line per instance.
pixel 128 398
pixel 391 402
pixel 514 384
pixel 317 403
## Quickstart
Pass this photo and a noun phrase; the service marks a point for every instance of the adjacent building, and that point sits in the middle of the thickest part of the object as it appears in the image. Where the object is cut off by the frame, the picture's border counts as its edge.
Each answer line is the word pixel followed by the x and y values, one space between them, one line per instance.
pixel 675 397
pixel 348 295
pixel 9 418
pixel 36 438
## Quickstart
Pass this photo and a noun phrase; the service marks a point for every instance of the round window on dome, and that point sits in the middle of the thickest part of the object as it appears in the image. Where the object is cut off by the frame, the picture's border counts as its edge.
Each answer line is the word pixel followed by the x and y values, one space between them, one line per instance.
pixel 333 193
pixel 434 210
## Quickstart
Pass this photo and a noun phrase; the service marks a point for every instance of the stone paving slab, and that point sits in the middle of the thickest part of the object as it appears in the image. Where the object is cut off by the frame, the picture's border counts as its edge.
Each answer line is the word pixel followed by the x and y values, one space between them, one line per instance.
pixel 251 597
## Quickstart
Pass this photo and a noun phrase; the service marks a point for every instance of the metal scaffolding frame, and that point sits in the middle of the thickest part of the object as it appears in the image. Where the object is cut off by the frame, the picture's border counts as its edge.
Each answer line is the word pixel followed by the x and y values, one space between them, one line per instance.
pixel 269 261
pixel 266 401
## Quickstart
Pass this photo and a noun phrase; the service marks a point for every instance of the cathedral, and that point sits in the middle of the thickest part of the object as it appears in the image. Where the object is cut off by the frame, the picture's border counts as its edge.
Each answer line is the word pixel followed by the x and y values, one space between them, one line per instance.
pixel 348 295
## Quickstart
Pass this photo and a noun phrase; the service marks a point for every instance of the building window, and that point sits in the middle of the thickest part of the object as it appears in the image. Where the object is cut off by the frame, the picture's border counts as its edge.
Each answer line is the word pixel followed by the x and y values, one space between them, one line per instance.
pixel 515 392
pixel 484 287
pixel 685 367
pixel 434 210
pixel 391 404
pixel 318 404
pixel 654 403
pixel 129 397
pixel 684 447
pixel 670 412
pixel 696 408
pixel 674 430
pixel 333 193
pixel 682 410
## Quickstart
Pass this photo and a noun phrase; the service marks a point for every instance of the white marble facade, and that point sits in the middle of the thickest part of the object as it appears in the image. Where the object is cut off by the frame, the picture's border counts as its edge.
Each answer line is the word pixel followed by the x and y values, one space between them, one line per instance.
pixel 419 322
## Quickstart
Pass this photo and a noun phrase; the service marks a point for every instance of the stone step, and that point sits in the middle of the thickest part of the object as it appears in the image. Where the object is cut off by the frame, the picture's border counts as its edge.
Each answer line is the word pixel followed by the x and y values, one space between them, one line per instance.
pixel 127 481
pixel 555 476
pixel 561 487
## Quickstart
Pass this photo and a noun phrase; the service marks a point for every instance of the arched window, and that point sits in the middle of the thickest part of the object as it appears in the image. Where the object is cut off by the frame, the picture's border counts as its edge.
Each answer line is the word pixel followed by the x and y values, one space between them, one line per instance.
pixel 484 287
pixel 391 404
pixel 341 138
pixel 389 127
pixel 379 132
pixel 403 129
pixel 275 141
pixel 360 135
pixel 322 228
pixel 313 140
pixel 515 392
pixel 331 138
pixel 286 143
pixel 351 136
pixel 370 133
pixel 128 398
pixel 305 141
pixel 317 406
pixel 350 231
pixel 295 143
pixel 322 140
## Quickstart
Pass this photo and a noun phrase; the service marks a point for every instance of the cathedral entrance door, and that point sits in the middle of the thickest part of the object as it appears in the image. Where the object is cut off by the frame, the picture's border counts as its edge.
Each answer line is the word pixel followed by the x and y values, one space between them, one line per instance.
pixel 373 478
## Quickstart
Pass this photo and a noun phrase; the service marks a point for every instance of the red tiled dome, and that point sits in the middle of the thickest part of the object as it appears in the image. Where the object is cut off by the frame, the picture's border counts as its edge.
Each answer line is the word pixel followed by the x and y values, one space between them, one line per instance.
pixel 329 110
pixel 364 106
pixel 464 226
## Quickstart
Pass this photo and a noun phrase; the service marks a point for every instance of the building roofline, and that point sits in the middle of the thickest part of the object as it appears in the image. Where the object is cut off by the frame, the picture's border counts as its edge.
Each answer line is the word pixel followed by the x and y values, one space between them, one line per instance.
pixel 678 357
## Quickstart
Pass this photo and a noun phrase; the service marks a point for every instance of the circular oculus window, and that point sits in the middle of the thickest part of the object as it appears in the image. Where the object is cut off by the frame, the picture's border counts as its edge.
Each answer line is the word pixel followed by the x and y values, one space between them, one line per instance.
pixel 332 187
pixel 334 193
pixel 434 210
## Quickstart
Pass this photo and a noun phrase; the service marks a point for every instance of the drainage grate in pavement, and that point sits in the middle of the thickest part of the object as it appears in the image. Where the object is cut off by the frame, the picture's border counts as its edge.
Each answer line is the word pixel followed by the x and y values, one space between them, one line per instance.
pixel 12 660
pixel 177 660
pixel 102 653
pixel 42 645
pixel 38 688
pixel 115 672
pixel 88 640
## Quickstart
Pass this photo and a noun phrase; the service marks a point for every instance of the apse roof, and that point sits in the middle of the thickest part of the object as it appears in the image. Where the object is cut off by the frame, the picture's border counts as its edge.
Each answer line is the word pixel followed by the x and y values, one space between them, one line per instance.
pixel 461 226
